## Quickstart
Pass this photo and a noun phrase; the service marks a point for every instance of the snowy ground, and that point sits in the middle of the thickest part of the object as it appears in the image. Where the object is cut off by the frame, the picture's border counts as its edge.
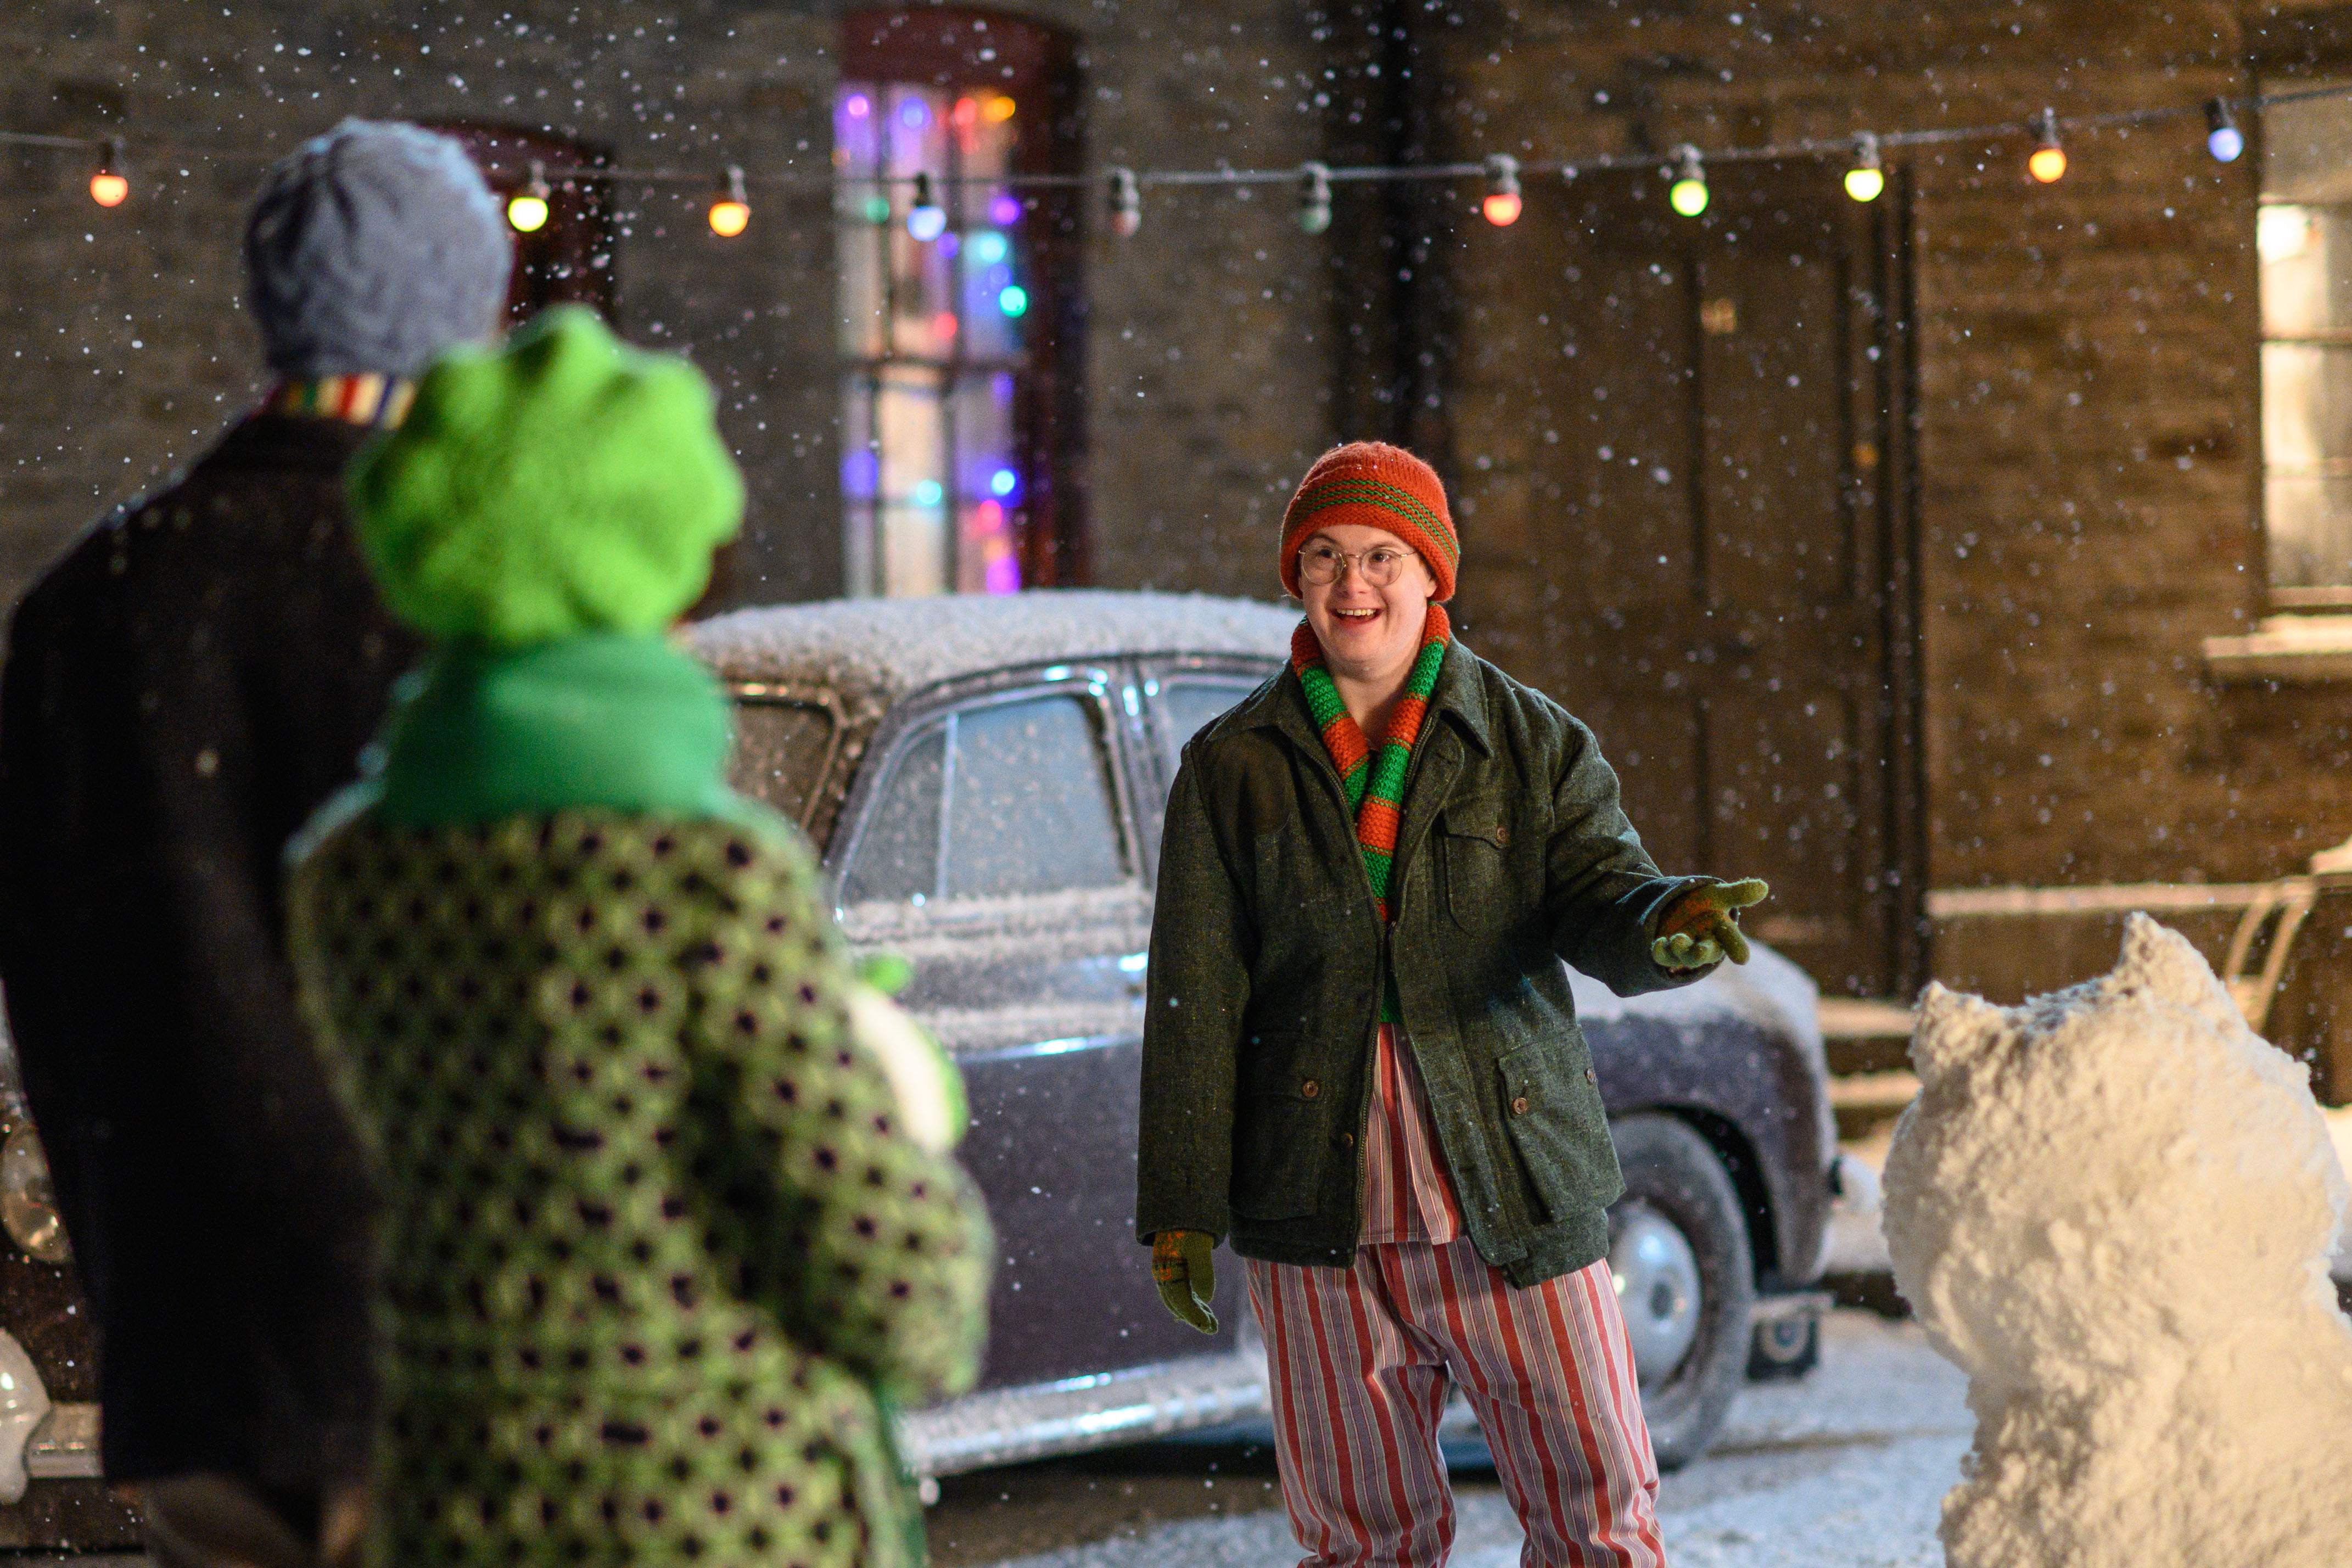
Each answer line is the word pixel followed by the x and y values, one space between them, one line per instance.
pixel 1843 1470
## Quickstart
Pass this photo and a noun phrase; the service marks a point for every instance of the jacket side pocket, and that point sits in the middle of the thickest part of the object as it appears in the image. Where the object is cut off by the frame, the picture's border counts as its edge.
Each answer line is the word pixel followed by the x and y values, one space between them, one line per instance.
pixel 1282 1119
pixel 1556 1125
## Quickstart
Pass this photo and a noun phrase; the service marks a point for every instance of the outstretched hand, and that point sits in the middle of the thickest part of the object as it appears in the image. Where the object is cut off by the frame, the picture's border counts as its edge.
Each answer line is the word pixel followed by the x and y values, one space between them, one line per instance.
pixel 1703 925
pixel 1185 1269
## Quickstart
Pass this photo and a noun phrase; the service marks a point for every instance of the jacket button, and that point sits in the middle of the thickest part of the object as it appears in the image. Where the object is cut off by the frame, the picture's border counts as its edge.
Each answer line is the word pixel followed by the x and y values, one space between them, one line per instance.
pixel 1310 1088
pixel 1346 1140
pixel 1592 1077
pixel 1503 834
pixel 1519 1106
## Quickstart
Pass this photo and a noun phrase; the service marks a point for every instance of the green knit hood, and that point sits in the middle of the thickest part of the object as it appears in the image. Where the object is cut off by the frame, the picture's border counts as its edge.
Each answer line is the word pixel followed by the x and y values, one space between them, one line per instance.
pixel 547 510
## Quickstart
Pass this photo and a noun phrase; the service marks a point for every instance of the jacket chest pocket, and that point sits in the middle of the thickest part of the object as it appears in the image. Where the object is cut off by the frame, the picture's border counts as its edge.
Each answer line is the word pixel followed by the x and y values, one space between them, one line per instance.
pixel 1282 1132
pixel 1474 862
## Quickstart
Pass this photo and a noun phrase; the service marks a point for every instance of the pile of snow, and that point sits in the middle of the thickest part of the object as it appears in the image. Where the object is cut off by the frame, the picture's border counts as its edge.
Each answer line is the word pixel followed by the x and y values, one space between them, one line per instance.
pixel 2113 1208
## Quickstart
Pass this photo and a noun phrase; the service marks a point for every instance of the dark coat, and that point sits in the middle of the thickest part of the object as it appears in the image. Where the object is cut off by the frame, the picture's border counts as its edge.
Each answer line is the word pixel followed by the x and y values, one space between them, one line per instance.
pixel 1267 966
pixel 182 691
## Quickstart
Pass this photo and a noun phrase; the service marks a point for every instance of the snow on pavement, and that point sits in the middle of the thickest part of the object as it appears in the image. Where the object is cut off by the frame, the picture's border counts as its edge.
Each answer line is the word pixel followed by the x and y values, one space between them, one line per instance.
pixel 1846 1469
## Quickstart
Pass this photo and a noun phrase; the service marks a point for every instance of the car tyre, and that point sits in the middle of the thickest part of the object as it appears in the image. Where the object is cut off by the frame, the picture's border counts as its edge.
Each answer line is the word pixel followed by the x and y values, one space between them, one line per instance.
pixel 1679 1247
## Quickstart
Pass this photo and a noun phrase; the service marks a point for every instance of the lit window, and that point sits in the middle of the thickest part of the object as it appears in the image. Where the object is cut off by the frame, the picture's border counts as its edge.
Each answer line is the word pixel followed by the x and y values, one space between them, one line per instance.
pixel 953 440
pixel 2304 237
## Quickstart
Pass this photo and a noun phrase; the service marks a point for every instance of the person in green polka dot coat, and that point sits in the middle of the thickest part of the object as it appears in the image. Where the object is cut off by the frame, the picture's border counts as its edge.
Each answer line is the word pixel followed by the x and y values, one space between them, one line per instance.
pixel 663 1237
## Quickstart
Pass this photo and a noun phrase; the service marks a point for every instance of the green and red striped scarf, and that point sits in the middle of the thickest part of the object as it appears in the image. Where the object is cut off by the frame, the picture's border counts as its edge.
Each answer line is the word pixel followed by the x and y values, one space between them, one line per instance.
pixel 1375 785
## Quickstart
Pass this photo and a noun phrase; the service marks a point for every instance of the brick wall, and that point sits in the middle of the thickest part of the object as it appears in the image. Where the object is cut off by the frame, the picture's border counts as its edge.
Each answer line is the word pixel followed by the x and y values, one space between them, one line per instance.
pixel 121 352
pixel 2088 443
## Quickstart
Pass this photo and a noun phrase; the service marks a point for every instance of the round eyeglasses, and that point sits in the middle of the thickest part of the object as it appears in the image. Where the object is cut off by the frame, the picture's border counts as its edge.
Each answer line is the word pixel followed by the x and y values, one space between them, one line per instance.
pixel 1322 563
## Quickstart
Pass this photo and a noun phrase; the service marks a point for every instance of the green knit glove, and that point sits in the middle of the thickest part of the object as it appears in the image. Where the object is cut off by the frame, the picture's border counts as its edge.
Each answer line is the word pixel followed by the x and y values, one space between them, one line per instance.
pixel 1703 925
pixel 1185 1266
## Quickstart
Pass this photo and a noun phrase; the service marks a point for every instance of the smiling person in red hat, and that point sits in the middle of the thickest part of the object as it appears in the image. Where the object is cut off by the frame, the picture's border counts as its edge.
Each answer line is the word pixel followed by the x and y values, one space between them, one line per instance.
pixel 1362 1065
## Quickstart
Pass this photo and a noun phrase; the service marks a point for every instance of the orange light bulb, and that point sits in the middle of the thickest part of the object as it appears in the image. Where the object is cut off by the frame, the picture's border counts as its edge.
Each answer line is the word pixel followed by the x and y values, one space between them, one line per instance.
pixel 2048 164
pixel 731 207
pixel 111 187
pixel 1502 208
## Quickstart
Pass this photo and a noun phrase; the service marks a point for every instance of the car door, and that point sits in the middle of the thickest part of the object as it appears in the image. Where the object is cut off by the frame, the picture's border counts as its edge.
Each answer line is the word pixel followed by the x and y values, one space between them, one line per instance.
pixel 993 843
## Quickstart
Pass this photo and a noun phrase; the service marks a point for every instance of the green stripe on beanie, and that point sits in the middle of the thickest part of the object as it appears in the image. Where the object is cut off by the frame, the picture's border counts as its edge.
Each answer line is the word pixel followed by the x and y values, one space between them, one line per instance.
pixel 1388 498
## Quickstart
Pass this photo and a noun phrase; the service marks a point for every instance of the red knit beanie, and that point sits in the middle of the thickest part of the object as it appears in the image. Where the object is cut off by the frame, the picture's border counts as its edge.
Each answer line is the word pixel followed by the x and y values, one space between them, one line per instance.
pixel 1381 486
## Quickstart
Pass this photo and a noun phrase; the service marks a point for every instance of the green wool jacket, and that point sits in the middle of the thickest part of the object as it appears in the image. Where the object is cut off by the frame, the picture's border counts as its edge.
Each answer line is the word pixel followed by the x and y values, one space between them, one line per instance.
pixel 1267 966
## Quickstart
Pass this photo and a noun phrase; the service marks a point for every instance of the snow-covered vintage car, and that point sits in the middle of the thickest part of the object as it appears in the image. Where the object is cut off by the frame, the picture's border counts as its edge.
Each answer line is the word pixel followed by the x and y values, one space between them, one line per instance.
pixel 985 777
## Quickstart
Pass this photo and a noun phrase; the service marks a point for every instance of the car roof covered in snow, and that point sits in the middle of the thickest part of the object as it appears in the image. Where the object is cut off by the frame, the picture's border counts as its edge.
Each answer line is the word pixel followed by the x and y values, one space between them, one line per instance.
pixel 883 648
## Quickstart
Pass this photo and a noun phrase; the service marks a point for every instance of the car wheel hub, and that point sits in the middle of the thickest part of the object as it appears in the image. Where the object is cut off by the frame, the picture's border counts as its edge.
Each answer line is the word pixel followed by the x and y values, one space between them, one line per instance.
pixel 1656 1275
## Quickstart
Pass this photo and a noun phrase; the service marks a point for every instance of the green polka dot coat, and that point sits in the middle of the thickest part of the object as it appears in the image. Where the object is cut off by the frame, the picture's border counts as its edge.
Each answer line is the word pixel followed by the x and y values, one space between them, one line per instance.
pixel 655 1254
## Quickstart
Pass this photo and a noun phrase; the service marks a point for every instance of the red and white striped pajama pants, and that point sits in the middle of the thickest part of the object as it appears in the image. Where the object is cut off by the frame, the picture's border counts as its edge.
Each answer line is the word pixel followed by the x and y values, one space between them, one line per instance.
pixel 1363 1359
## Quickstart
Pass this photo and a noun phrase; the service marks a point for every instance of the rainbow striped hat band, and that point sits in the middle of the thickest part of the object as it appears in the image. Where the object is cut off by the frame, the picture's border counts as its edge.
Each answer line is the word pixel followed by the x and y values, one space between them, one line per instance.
pixel 1381 486
pixel 365 399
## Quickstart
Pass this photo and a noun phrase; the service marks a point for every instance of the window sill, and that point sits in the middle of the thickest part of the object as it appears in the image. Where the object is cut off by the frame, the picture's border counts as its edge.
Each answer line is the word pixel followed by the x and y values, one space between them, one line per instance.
pixel 2294 650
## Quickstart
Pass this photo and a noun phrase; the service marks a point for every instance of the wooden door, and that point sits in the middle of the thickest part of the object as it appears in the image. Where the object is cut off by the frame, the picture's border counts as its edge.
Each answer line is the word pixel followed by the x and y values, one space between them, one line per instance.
pixel 1710 563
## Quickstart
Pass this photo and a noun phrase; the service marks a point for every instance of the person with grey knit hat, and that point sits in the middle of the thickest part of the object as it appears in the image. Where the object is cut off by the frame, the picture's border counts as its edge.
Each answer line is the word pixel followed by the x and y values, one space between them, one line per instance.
pixel 183 690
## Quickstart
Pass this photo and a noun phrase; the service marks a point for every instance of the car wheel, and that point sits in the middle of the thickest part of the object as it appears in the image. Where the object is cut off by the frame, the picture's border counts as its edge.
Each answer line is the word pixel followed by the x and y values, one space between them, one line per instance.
pixel 1678 1250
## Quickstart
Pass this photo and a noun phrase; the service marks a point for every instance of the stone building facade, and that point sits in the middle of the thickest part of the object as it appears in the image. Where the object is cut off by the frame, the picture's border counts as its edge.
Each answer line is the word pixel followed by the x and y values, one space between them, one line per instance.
pixel 2022 482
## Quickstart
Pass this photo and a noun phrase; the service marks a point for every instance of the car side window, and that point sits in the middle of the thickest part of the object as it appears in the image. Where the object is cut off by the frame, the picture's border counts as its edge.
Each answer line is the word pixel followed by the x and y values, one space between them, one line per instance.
pixel 1187 705
pixel 1031 808
pixel 897 856
pixel 995 800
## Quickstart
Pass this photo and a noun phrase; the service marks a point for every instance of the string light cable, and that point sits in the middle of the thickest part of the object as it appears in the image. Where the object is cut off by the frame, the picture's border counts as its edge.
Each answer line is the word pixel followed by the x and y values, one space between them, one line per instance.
pixel 2220 114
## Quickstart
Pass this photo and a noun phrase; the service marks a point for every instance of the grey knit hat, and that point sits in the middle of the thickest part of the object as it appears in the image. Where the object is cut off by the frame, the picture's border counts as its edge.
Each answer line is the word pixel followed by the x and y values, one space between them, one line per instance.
pixel 371 248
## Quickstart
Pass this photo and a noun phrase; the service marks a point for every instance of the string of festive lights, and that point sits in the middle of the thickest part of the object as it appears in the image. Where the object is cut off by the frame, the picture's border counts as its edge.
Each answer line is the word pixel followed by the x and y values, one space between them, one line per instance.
pixel 1864 153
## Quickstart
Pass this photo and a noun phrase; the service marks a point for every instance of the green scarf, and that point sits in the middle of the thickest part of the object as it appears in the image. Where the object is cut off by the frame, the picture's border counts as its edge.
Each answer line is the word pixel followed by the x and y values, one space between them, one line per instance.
pixel 622 721
pixel 1374 783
